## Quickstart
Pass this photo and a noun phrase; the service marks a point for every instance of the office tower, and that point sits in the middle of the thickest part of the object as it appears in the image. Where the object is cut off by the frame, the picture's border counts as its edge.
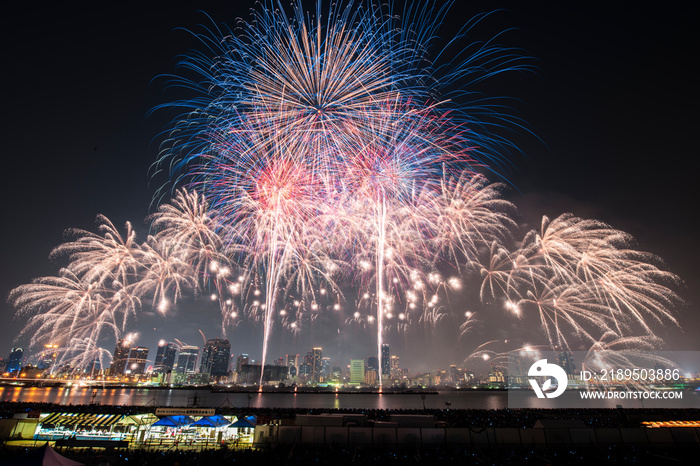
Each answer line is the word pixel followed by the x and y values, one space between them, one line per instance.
pixel 48 357
pixel 565 359
pixel 215 357
pixel 395 366
pixel 372 364
pixel 371 377
pixel 317 364
pixel 241 361
pixel 357 371
pixel 325 369
pixel 137 360
pixel 120 358
pixel 386 361
pixel 454 373
pixel 187 360
pixel 94 367
pixel 14 362
pixel 293 364
pixel 306 367
pixel 165 357
pixel 250 373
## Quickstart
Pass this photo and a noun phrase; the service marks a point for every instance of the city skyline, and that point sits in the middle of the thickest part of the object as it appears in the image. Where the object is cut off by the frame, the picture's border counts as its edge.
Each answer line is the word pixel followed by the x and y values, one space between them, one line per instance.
pixel 535 177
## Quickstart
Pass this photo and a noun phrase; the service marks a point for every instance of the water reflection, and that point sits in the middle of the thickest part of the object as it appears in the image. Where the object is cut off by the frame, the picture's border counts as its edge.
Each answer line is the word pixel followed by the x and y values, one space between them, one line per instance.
pixel 330 400
pixel 183 397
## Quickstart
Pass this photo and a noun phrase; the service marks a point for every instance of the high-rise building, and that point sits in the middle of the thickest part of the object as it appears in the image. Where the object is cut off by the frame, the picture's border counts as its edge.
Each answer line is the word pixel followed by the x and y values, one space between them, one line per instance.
pixel 395 366
pixel 325 369
pixel 293 364
pixel 138 357
pixel 14 362
pixel 454 373
pixel 165 357
pixel 307 365
pixel 357 371
pixel 48 357
pixel 240 361
pixel 386 361
pixel 317 364
pixel 94 367
pixel 215 357
pixel 250 373
pixel 565 359
pixel 120 358
pixel 371 377
pixel 372 364
pixel 187 360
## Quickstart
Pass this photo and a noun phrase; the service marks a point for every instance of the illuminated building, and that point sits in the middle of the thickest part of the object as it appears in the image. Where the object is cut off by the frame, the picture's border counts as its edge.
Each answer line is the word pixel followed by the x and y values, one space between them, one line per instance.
pixel 137 360
pixel 120 358
pixel 48 357
pixel 14 362
pixel 165 357
pixel 565 359
pixel 317 364
pixel 293 364
pixel 240 361
pixel 372 364
pixel 395 366
pixel 371 377
pixel 386 361
pixel 357 371
pixel 215 357
pixel 187 360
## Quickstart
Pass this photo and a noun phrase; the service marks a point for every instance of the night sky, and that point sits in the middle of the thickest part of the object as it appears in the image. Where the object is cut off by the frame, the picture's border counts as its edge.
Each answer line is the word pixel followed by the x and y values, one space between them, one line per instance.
pixel 612 103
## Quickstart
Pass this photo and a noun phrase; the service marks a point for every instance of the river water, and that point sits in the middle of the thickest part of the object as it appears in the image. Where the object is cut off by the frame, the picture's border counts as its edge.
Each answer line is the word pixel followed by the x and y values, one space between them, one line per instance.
pixel 463 399
pixel 204 397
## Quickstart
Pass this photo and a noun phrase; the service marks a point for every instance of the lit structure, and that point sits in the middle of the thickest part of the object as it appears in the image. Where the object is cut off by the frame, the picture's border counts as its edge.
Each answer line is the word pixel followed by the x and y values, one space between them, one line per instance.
pixel 565 359
pixel 187 360
pixel 215 357
pixel 250 373
pixel 386 361
pixel 241 360
pixel 325 369
pixel 14 362
pixel 165 357
pixel 120 358
pixel 293 364
pixel 317 364
pixel 357 371
pixel 137 360
pixel 47 359
pixel 395 366
pixel 372 364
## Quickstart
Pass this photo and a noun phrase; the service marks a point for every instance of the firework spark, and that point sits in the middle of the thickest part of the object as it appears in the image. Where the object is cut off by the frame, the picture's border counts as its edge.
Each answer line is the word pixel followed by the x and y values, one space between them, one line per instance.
pixel 325 155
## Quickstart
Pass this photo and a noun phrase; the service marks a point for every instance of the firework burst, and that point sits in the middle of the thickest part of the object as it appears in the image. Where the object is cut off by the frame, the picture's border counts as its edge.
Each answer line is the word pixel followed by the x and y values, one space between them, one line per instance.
pixel 331 154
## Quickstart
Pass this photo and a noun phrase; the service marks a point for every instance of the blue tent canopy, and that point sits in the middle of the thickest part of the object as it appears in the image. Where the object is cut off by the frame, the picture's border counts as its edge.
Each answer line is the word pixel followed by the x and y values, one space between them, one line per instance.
pixel 173 421
pixel 212 421
pixel 249 422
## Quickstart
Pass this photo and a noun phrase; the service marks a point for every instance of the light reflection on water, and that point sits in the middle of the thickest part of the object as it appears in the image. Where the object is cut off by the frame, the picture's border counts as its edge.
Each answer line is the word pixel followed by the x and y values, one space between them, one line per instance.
pixel 182 397
pixel 464 399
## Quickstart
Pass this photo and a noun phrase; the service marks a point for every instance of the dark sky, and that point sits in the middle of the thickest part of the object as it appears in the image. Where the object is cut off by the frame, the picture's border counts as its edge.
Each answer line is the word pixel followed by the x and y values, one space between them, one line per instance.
pixel 613 102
